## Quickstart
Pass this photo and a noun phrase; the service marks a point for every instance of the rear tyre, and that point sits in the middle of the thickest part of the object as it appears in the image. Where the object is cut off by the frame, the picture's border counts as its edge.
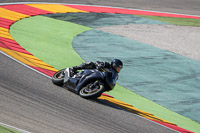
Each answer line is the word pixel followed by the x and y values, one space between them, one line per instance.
pixel 92 91
pixel 58 77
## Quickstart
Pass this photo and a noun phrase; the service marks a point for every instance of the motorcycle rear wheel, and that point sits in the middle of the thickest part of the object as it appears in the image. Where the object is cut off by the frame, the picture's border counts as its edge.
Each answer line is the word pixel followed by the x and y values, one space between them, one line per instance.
pixel 92 93
pixel 58 77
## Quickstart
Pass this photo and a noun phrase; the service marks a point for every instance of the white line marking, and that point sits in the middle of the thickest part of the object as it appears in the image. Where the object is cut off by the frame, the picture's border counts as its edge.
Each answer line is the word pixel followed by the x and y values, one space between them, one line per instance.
pixel 20 130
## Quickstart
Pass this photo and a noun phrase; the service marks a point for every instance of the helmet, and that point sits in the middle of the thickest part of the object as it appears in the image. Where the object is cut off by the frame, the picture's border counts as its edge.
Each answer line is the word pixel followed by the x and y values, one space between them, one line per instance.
pixel 117 65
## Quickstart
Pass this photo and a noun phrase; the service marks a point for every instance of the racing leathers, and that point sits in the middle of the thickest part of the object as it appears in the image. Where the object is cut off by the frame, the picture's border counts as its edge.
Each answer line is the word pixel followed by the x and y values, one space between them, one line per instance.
pixel 98 65
pixel 92 65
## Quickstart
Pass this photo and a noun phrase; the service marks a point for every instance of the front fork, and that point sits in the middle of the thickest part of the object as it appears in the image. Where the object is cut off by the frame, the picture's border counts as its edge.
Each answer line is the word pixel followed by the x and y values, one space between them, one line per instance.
pixel 67 74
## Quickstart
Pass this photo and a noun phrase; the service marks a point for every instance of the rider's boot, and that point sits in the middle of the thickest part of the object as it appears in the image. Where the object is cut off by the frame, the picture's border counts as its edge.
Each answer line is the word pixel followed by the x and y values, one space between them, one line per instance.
pixel 71 72
pixel 76 68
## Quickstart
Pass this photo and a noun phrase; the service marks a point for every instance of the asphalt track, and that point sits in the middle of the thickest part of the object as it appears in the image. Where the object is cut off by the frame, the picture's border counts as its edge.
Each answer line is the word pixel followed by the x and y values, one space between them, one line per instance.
pixel 31 102
pixel 47 108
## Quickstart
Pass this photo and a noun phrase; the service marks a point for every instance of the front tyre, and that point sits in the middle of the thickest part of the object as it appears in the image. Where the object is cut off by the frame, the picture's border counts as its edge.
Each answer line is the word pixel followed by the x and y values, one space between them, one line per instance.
pixel 92 90
pixel 58 77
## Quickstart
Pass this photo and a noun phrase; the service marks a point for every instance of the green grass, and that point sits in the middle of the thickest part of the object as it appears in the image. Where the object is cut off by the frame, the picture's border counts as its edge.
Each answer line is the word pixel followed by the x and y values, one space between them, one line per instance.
pixel 176 21
pixel 7 130
pixel 49 40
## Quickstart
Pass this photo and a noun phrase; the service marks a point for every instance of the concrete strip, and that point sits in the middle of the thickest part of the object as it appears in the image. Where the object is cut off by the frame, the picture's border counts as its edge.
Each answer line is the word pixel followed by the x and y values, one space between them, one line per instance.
pixel 166 37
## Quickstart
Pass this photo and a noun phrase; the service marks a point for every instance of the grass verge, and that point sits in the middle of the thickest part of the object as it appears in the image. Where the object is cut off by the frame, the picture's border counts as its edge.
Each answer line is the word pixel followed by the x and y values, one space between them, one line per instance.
pixel 7 130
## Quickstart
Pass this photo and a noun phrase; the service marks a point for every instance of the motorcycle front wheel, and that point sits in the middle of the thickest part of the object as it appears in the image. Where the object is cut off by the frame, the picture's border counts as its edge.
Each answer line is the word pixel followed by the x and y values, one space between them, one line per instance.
pixel 58 77
pixel 92 91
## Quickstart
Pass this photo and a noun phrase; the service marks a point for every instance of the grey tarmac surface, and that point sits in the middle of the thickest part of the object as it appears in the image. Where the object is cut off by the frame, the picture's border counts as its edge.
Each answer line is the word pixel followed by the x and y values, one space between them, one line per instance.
pixel 31 102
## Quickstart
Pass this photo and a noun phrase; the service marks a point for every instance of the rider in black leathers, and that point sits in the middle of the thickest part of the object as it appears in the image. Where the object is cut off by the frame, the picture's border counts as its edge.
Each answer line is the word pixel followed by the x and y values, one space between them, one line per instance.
pixel 115 65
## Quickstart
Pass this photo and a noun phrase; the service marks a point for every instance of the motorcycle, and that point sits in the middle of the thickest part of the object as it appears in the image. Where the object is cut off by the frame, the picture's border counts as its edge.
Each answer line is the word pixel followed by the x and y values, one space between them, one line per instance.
pixel 88 83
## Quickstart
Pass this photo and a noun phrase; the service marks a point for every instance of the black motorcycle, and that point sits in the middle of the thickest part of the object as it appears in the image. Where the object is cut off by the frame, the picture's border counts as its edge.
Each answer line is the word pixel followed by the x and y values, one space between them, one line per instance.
pixel 88 83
